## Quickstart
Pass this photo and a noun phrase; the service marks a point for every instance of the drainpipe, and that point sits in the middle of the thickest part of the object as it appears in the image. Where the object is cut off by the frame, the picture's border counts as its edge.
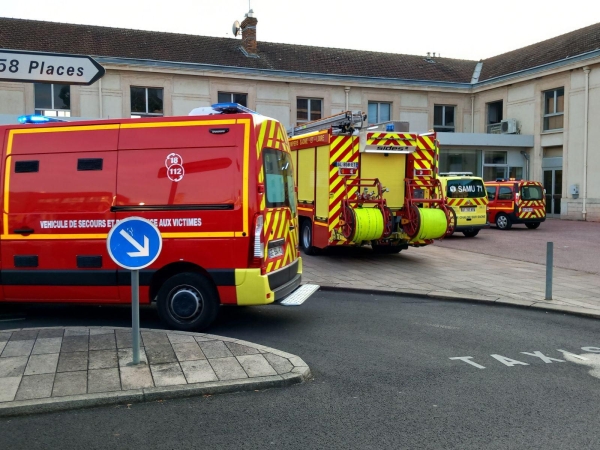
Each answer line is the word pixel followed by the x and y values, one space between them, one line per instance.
pixel 100 96
pixel 586 70
pixel 347 90
pixel 472 113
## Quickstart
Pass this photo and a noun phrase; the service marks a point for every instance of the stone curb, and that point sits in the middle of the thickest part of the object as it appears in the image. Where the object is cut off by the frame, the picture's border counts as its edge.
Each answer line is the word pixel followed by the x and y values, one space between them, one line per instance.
pixel 300 373
pixel 442 295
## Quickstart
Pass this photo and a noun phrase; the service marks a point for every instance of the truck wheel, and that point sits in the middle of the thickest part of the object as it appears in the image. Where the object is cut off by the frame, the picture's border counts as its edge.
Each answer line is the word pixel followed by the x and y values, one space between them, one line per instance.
pixel 306 238
pixel 503 222
pixel 532 226
pixel 188 301
pixel 471 233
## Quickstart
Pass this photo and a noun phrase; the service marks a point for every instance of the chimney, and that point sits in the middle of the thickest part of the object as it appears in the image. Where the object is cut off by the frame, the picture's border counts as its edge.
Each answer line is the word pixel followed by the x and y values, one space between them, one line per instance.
pixel 248 27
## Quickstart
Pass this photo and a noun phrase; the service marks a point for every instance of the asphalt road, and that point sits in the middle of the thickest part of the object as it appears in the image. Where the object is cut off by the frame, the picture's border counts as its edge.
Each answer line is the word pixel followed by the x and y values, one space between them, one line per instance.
pixel 576 244
pixel 383 378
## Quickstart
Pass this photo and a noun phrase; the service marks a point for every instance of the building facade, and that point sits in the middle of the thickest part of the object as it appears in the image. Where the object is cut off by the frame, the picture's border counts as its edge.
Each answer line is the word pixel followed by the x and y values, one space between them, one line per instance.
pixel 531 113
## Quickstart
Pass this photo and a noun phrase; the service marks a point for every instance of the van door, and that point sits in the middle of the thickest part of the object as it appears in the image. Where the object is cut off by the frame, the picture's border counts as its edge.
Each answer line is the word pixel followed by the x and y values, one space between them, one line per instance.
pixel 280 224
pixel 505 202
pixel 57 215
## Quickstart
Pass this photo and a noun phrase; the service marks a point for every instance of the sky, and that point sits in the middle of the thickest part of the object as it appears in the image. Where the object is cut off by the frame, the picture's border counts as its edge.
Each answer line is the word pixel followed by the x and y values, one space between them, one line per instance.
pixel 455 29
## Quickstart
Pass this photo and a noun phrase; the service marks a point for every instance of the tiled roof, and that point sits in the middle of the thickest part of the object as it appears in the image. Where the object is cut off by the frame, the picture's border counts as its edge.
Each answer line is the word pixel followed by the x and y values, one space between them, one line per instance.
pixel 570 44
pixel 19 34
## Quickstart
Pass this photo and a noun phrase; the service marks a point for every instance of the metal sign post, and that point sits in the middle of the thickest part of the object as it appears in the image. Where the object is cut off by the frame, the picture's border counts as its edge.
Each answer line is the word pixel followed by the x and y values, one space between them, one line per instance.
pixel 134 243
pixel 57 68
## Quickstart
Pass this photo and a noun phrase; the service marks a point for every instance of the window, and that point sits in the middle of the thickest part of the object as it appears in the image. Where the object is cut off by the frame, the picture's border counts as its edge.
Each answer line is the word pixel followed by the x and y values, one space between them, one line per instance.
pixel 491 192
pixel 495 157
pixel 505 193
pixel 443 118
pixel 279 180
pixel 308 109
pixel 52 100
pixel 466 188
pixel 492 173
pixel 146 102
pixel 554 109
pixel 494 117
pixel 532 192
pixel 460 161
pixel 231 97
pixel 379 112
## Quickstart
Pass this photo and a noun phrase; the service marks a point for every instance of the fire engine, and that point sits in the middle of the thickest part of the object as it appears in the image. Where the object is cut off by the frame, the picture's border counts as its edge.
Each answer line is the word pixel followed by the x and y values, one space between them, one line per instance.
pixel 219 187
pixel 373 185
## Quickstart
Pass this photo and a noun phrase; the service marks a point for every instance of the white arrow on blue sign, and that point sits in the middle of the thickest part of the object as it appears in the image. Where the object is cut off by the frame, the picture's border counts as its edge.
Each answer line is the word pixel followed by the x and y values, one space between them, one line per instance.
pixel 134 243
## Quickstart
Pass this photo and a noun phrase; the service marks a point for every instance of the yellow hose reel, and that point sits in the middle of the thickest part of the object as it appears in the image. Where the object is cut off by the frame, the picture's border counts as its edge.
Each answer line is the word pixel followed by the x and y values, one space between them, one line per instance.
pixel 368 224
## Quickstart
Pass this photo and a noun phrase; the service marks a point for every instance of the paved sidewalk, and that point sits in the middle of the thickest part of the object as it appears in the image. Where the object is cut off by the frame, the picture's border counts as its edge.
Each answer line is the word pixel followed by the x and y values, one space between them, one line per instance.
pixel 48 369
pixel 450 273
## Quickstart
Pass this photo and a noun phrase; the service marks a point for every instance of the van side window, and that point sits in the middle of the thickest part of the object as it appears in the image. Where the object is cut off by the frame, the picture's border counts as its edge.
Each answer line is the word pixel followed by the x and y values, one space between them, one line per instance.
pixel 505 193
pixel 491 192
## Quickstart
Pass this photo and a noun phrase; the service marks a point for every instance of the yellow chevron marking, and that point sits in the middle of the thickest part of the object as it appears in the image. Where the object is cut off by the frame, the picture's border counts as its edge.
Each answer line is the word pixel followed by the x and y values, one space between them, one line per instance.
pixel 283 222
pixel 429 142
pixel 261 138
pixel 342 149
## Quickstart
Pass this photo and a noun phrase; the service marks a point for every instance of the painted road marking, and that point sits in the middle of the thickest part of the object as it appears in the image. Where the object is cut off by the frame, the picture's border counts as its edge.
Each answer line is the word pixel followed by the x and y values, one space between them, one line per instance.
pixel 543 357
pixel 509 362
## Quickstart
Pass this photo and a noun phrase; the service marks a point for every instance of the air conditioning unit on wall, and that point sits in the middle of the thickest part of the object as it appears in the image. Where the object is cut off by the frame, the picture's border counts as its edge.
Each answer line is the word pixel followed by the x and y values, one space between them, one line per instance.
pixel 509 126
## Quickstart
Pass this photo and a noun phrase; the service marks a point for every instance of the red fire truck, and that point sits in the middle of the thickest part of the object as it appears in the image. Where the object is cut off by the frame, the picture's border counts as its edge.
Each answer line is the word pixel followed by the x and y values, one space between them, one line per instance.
pixel 374 185
pixel 219 187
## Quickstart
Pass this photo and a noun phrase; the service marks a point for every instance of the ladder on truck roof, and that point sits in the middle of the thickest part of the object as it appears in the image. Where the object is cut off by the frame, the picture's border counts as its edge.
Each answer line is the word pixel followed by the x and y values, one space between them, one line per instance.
pixel 346 121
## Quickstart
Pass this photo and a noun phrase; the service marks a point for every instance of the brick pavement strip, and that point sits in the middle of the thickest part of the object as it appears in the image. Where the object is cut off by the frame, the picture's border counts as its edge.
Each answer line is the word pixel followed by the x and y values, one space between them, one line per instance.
pixel 78 367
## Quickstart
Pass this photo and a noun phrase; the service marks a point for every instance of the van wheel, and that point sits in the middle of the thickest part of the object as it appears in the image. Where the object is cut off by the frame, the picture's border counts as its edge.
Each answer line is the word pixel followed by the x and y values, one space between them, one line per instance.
pixel 188 301
pixel 471 233
pixel 503 222
pixel 306 239
pixel 532 226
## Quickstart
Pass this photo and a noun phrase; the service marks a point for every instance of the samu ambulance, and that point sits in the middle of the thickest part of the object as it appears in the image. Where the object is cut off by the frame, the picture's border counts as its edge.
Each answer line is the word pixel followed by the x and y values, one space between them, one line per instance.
pixel 466 197
pixel 220 188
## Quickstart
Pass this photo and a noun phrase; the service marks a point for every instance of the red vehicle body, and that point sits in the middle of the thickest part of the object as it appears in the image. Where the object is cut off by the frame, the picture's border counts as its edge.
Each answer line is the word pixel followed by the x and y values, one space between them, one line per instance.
pixel 514 202
pixel 216 187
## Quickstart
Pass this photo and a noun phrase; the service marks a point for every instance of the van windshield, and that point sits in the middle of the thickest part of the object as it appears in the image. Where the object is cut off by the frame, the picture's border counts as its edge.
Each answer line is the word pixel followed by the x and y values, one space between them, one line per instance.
pixel 279 180
pixel 531 192
pixel 466 188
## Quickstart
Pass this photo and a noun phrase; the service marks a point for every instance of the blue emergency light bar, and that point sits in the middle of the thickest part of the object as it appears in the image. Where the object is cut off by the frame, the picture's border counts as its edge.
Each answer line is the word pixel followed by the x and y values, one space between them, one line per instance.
pixel 35 118
pixel 231 108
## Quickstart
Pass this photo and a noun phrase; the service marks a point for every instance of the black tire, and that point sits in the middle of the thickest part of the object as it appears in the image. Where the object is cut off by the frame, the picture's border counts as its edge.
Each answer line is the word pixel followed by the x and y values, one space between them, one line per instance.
pixel 306 238
pixel 188 301
pixel 503 222
pixel 470 233
pixel 453 214
pixel 533 225
pixel 386 249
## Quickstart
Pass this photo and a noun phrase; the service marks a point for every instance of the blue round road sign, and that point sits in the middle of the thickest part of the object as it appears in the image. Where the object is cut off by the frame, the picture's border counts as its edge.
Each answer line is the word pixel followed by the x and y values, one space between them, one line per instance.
pixel 134 243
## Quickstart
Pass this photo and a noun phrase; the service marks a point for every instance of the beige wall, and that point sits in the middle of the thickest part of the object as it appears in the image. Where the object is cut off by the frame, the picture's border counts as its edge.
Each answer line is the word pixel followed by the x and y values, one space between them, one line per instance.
pixel 276 97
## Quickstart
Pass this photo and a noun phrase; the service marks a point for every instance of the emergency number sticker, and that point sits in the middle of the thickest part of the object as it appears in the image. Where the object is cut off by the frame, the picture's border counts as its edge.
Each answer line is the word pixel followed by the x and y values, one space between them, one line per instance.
pixel 174 163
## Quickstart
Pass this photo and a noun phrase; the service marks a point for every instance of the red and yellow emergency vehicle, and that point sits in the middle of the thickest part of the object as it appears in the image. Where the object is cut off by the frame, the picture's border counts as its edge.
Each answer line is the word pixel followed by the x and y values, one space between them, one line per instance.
pixel 219 187
pixel 514 201
pixel 371 185
pixel 466 198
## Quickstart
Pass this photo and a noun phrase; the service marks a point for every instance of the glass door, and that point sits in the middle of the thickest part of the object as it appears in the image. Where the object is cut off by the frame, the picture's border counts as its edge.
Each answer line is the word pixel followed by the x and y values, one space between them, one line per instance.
pixel 553 188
